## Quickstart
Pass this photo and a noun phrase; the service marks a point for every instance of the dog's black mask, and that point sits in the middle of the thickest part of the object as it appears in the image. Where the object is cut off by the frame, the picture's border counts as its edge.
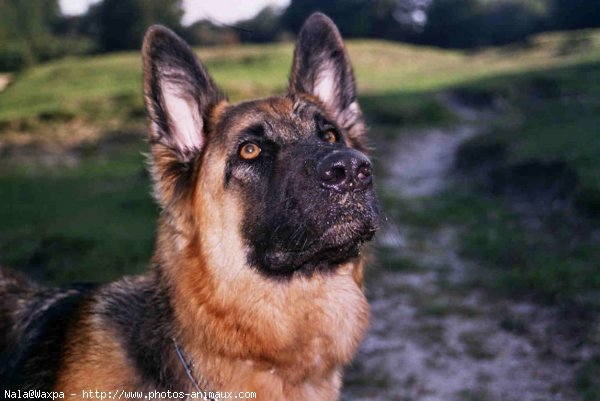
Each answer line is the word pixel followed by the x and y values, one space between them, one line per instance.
pixel 312 205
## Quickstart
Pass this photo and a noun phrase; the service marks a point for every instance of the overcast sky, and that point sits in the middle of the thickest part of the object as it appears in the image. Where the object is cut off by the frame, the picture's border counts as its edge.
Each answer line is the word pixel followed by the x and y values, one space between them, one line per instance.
pixel 225 11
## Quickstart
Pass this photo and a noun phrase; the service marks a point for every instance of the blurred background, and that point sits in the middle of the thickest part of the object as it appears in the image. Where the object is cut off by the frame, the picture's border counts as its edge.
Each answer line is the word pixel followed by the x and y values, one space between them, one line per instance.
pixel 484 121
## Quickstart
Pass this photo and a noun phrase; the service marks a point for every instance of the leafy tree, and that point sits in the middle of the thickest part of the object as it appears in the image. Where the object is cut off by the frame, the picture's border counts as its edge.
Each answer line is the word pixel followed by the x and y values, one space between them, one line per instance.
pixel 510 21
pixel 264 27
pixel 453 23
pixel 120 24
pixel 474 23
pixel 205 32
pixel 27 20
pixel 351 16
pixel 576 14
pixel 26 32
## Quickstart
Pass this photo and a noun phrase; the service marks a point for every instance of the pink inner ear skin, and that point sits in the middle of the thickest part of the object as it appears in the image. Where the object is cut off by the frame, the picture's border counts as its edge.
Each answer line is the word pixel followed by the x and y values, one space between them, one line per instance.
pixel 325 86
pixel 184 119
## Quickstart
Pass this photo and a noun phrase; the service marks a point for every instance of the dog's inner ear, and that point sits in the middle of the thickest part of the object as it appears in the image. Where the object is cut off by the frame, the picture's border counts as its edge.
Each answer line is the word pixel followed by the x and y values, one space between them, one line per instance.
pixel 183 117
pixel 326 85
pixel 178 91
pixel 322 68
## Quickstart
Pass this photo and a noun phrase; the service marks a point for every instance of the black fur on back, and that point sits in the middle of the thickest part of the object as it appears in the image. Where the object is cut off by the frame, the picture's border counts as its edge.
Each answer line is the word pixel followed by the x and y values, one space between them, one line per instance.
pixel 139 310
pixel 35 323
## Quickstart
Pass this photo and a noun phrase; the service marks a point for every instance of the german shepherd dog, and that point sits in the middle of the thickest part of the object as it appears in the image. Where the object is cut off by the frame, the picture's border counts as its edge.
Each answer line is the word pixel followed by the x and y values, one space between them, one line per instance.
pixel 256 279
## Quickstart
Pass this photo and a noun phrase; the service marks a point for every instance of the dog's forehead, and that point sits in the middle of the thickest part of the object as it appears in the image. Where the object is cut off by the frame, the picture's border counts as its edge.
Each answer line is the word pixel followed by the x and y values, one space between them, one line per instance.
pixel 281 119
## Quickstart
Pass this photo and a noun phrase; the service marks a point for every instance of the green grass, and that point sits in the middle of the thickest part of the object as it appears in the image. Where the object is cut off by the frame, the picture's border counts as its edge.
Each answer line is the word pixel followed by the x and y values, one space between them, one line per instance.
pixel 391 78
pixel 554 115
pixel 92 223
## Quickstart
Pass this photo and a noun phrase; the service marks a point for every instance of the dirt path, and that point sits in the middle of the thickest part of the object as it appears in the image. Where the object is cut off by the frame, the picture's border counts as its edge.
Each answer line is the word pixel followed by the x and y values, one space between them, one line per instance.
pixel 433 340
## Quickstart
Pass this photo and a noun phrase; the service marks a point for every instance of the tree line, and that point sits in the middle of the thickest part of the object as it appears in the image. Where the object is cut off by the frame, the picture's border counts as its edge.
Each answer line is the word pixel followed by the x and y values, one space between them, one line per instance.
pixel 35 30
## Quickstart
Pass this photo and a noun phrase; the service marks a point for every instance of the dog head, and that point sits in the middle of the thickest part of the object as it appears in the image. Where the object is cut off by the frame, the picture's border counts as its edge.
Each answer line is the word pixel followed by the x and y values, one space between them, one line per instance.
pixel 281 184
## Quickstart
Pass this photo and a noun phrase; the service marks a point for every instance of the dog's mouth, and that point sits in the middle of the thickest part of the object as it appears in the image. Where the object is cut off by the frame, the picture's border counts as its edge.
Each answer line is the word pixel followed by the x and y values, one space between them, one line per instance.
pixel 338 244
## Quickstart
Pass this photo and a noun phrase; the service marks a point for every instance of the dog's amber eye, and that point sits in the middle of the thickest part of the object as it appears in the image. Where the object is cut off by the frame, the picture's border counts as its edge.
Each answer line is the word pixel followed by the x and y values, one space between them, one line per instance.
pixel 329 136
pixel 249 151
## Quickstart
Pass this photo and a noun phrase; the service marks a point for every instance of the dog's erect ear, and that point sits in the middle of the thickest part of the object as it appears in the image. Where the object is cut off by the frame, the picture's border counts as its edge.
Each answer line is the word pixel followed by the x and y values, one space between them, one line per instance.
pixel 179 96
pixel 178 91
pixel 322 68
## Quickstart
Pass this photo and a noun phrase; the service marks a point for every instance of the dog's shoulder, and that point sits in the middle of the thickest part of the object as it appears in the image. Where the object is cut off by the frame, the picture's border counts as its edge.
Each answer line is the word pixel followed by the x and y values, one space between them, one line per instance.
pixel 34 324
pixel 134 317
pixel 43 326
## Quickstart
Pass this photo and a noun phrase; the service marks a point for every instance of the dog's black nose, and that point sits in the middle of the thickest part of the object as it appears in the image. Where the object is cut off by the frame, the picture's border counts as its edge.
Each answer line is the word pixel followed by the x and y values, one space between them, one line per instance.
pixel 345 171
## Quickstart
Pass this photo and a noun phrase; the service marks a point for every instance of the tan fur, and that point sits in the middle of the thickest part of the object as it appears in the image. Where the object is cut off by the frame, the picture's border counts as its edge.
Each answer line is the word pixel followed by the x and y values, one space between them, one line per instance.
pixel 94 361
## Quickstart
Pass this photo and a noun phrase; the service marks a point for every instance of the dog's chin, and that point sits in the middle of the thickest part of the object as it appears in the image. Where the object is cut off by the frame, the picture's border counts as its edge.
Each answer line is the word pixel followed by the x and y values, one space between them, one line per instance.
pixel 337 245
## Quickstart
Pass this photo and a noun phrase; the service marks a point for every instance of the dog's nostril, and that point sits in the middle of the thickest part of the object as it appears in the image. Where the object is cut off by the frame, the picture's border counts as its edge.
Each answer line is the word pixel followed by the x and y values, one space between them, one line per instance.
pixel 364 173
pixel 333 172
pixel 336 174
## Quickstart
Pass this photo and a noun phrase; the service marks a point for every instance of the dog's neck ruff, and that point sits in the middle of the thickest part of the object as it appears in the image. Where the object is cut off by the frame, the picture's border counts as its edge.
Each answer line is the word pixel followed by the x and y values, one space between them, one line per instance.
pixel 204 390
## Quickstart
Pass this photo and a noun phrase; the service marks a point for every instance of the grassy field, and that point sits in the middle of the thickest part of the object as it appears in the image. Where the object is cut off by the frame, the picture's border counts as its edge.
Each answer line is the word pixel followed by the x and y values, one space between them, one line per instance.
pixel 556 254
pixel 390 77
pixel 75 198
